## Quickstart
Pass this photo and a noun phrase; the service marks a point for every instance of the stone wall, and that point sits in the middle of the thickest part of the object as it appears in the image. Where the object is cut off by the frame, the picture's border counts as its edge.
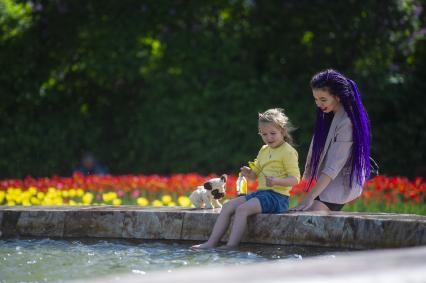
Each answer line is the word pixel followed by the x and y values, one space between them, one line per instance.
pixel 337 229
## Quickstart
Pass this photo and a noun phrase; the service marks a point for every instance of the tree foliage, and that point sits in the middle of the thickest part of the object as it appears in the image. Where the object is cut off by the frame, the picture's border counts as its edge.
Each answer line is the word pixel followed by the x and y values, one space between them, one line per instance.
pixel 175 86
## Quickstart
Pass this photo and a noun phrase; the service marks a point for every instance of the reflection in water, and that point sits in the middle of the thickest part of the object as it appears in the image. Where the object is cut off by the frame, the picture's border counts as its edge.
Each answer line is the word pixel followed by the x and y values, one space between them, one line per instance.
pixel 49 260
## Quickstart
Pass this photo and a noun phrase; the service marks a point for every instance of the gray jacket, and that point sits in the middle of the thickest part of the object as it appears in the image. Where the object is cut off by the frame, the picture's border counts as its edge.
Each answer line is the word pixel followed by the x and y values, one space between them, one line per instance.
pixel 335 161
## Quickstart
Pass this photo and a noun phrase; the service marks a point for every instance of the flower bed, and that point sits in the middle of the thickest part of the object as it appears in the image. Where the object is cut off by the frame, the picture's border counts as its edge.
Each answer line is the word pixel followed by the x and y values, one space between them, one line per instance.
pixel 387 194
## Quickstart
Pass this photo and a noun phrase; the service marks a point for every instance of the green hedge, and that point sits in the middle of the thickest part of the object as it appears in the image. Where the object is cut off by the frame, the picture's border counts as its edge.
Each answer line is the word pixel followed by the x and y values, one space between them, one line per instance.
pixel 175 86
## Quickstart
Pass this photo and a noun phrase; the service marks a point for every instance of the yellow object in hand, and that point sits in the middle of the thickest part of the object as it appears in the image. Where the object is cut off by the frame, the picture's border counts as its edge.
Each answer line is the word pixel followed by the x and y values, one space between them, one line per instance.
pixel 241 185
pixel 252 165
pixel 255 168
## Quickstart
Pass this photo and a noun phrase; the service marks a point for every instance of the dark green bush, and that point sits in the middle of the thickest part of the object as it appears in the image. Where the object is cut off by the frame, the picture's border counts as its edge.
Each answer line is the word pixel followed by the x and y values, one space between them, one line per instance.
pixel 175 86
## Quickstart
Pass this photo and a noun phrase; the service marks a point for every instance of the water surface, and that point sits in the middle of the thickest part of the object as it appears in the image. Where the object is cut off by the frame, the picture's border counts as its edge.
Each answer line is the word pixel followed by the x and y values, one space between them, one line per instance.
pixel 47 260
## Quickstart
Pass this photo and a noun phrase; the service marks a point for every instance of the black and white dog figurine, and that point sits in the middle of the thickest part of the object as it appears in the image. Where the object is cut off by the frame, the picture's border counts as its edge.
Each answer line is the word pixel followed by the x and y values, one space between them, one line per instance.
pixel 209 194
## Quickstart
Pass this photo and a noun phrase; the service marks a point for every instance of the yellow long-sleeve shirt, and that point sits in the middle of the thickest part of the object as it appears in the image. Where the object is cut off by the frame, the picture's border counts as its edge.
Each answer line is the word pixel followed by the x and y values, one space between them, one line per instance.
pixel 280 162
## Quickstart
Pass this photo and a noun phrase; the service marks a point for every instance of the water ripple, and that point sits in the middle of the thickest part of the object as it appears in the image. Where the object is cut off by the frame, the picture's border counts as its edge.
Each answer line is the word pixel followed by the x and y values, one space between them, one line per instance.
pixel 41 260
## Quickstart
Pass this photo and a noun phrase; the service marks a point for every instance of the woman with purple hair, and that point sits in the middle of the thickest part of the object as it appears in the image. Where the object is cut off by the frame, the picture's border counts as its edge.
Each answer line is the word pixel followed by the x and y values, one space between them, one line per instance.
pixel 339 154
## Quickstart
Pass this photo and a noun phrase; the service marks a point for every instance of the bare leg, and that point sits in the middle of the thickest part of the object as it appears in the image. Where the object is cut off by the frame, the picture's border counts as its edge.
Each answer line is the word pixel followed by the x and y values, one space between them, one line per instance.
pixel 318 206
pixel 240 220
pixel 222 223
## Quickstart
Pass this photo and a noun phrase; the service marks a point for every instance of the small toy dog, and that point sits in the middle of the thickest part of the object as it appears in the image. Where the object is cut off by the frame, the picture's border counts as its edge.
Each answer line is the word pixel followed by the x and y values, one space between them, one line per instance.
pixel 209 194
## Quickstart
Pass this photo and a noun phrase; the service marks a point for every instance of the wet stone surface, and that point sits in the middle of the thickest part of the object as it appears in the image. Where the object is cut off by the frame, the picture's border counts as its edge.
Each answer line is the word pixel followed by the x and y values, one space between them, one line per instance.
pixel 342 230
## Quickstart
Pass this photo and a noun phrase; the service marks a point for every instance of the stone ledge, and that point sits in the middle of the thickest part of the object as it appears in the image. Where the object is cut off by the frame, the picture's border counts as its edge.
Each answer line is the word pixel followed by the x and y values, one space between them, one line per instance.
pixel 337 229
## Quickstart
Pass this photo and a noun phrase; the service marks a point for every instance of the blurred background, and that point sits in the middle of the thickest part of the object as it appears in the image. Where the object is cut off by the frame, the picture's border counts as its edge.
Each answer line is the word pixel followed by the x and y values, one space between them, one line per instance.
pixel 175 86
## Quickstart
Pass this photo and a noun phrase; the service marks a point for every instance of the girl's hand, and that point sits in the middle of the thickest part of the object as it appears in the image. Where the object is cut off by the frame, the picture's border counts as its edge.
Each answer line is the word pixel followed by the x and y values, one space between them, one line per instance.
pixel 304 204
pixel 270 181
pixel 245 171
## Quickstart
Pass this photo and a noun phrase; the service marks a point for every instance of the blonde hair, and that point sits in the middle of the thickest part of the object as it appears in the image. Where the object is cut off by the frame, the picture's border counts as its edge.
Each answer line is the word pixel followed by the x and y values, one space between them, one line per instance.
pixel 277 117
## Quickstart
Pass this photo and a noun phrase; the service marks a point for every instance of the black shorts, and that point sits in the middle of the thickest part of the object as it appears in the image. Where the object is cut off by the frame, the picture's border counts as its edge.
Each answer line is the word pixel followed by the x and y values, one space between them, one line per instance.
pixel 331 206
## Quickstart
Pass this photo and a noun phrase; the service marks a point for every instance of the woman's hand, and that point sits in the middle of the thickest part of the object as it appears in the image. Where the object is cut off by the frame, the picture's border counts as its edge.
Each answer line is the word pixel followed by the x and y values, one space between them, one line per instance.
pixel 270 181
pixel 304 204
pixel 308 200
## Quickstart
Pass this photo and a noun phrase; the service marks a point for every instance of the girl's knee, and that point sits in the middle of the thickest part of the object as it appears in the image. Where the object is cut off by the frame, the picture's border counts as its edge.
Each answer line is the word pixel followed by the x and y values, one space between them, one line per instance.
pixel 229 207
pixel 242 211
pixel 249 208
pixel 234 203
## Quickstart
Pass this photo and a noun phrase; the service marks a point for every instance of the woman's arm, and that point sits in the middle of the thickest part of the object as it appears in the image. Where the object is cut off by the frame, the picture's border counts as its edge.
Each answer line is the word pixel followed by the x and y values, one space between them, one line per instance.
pixel 336 157
pixel 339 151
pixel 316 190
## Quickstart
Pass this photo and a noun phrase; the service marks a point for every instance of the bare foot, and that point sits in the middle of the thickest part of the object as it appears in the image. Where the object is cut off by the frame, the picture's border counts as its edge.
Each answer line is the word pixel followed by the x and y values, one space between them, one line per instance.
pixel 205 245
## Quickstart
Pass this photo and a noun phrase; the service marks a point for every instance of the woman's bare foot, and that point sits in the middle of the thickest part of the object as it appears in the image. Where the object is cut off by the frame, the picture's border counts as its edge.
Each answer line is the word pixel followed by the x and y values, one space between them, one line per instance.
pixel 205 245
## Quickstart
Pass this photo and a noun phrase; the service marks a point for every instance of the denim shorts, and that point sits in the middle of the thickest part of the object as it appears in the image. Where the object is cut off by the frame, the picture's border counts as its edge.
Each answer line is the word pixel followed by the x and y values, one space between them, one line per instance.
pixel 270 201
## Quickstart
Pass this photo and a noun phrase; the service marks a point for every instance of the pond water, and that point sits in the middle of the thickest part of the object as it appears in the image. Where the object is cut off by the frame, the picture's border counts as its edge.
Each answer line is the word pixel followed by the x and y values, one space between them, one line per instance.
pixel 47 260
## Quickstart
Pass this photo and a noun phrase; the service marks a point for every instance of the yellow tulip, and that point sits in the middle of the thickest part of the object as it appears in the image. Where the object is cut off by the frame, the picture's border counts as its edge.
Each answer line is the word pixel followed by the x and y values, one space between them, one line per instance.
pixel 25 195
pixel 51 190
pixel 166 199
pixel 109 196
pixel 184 201
pixel 80 192
pixel 172 204
pixel 2 196
pixel 65 194
pixel 10 197
pixel 18 199
pixel 10 203
pixel 72 193
pixel 142 201
pixel 35 201
pixel 58 201
pixel 15 191
pixel 51 195
pixel 116 201
pixel 72 202
pixel 32 190
pixel 157 203
pixel 40 195
pixel 87 198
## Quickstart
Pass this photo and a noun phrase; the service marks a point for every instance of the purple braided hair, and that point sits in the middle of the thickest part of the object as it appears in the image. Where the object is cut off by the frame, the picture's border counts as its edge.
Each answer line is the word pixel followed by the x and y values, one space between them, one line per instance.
pixel 346 89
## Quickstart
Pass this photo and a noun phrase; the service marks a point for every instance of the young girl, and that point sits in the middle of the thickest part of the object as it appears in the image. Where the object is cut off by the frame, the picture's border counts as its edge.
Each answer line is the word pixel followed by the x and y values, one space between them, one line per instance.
pixel 339 155
pixel 276 167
